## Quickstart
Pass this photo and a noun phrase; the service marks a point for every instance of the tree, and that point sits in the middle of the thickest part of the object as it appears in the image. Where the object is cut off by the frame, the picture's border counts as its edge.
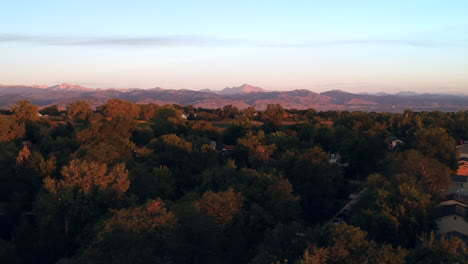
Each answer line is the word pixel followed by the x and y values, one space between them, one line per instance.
pixel 229 112
pixel 347 244
pixel 252 145
pixel 11 128
pixel 249 112
pixel 120 108
pixel 153 218
pixel 79 110
pixel 52 110
pixel 24 110
pixel 315 255
pixel 198 237
pixel 398 211
pixel 440 250
pixel 134 235
pixel 436 143
pixel 223 206
pixel 272 116
pixel 148 111
pixel 87 176
pixel 172 142
pixel 159 182
pixel 314 178
pixel 284 243
pixel 107 142
pixel 236 130
pixel 167 121
pixel 434 175
pixel 141 136
pixel 69 206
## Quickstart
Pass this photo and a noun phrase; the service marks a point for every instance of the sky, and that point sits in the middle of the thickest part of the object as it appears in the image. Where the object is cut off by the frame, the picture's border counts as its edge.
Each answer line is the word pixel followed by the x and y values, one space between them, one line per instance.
pixel 352 45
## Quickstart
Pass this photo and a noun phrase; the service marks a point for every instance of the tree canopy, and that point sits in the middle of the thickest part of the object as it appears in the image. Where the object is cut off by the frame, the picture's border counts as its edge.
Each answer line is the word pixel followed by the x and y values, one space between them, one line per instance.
pixel 170 184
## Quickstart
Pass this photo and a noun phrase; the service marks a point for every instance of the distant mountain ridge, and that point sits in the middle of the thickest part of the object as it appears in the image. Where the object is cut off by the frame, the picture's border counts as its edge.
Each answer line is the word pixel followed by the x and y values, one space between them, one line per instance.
pixel 241 97
pixel 245 88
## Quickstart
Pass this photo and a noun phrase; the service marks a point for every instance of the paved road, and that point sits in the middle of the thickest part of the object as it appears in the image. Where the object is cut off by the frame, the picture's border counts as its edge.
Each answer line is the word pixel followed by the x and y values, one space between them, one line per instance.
pixel 355 198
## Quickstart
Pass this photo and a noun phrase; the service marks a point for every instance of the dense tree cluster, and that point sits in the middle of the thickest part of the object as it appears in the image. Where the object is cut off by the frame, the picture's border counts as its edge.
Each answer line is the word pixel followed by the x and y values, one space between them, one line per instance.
pixel 128 183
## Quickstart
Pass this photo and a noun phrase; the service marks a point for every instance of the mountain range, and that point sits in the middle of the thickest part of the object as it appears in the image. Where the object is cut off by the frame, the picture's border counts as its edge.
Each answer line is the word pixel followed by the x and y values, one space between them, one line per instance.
pixel 241 97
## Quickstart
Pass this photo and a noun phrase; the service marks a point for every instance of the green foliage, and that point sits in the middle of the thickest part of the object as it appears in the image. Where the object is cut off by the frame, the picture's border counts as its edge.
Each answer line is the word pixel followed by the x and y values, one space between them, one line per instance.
pixel 141 136
pixel 399 211
pixel 314 178
pixel 101 187
pixel 347 244
pixel 436 143
pixel 440 250
pixel 159 182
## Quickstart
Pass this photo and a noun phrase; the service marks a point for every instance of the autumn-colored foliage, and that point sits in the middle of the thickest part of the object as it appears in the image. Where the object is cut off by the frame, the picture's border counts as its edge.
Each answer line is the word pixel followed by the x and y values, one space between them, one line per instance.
pixel 173 184
pixel 86 176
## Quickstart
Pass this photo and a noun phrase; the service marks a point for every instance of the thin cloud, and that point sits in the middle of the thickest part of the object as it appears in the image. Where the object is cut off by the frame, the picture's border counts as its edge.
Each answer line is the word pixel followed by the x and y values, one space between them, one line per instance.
pixel 113 41
pixel 189 40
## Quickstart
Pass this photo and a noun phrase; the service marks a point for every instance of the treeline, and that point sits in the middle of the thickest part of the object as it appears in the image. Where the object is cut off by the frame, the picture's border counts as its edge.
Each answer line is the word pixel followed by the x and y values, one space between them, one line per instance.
pixel 128 183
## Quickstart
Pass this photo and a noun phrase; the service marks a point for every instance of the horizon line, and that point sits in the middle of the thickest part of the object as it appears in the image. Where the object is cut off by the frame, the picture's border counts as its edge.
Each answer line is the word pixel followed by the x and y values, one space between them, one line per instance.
pixel 44 86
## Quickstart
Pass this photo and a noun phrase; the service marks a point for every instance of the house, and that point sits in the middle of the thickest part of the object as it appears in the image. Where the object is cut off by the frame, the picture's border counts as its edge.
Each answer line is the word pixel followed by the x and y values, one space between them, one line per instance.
pixel 463 150
pixel 462 168
pixel 393 142
pixel 183 116
pixel 213 145
pixel 334 158
pixel 227 149
pixel 454 211
pixel 451 220
pixel 458 186
pixel 27 144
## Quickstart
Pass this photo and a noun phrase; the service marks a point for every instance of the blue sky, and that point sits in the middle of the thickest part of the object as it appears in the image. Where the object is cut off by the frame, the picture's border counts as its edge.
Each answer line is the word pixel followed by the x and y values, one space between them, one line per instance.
pixel 358 46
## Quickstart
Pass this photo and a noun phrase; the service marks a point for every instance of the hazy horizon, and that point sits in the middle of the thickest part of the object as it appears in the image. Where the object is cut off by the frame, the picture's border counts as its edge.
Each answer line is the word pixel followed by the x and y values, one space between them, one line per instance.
pixel 266 89
pixel 418 46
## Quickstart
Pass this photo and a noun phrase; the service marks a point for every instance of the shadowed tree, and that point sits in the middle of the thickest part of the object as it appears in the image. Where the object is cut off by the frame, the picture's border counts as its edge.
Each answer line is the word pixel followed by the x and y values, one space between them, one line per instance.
pixel 346 244
pixel 167 121
pixel 436 143
pixel 83 190
pixel 134 235
pixel 52 110
pixel 399 209
pixel 11 128
pixel 434 250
